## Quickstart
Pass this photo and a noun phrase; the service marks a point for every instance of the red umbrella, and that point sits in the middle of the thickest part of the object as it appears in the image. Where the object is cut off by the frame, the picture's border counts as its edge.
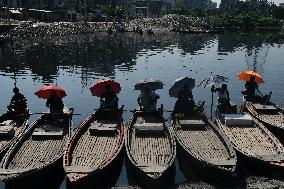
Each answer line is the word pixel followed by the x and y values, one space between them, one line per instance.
pixel 98 88
pixel 45 91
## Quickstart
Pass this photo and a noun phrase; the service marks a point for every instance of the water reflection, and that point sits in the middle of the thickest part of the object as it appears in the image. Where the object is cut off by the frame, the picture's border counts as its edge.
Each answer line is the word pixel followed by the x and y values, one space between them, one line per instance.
pixel 75 62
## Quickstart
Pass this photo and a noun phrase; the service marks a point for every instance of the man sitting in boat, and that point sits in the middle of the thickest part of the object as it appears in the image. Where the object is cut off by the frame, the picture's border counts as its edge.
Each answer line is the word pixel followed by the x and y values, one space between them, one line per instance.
pixel 184 105
pixel 17 109
pixel 109 98
pixel 250 90
pixel 54 103
pixel 223 98
pixel 18 102
pixel 147 100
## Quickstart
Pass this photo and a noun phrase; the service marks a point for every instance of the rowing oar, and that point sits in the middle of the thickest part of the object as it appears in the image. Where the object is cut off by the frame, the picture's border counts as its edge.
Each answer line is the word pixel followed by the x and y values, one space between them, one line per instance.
pixel 42 113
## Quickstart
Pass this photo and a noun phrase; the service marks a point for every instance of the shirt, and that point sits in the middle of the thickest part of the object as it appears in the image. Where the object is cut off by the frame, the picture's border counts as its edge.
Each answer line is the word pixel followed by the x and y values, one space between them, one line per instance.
pixel 251 86
pixel 149 101
pixel 222 94
pixel 55 104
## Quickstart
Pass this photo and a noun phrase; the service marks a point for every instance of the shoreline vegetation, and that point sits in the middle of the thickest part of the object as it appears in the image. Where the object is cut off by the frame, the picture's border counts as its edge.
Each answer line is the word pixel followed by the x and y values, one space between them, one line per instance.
pixel 249 15
pixel 171 22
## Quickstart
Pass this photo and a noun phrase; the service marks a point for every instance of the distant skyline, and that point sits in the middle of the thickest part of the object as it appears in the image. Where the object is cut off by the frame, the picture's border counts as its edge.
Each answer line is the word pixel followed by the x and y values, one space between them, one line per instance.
pixel 275 1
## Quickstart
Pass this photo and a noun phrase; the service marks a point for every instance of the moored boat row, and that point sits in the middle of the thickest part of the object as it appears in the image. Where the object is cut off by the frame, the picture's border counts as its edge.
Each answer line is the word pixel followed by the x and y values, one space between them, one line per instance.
pixel 150 141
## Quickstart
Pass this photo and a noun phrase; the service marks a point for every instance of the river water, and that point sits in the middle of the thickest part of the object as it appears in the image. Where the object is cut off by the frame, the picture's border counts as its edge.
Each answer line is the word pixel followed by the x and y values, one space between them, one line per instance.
pixel 76 62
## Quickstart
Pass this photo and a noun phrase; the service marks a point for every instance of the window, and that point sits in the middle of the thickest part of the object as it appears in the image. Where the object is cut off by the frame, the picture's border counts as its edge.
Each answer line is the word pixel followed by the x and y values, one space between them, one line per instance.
pixel 60 3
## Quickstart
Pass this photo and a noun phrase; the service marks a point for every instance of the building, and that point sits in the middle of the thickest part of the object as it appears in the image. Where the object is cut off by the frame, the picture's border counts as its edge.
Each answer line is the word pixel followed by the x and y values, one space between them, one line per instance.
pixel 147 8
pixel 196 4
pixel 228 4
pixel 281 5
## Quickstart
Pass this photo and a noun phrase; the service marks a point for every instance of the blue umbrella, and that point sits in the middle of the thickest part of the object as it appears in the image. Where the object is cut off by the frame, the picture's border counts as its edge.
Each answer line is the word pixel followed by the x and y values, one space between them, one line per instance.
pixel 179 84
pixel 153 84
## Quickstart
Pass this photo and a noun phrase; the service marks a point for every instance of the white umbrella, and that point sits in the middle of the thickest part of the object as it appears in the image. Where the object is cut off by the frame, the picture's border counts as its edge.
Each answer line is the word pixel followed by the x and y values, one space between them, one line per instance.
pixel 153 84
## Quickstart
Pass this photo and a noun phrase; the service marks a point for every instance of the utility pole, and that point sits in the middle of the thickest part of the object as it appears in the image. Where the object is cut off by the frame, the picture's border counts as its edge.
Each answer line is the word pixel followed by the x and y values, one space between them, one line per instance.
pixel 8 12
pixel 85 5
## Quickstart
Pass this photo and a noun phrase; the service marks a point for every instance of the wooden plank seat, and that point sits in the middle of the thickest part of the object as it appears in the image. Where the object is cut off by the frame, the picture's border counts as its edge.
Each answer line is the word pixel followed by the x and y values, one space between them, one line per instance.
pixel 7 131
pixel 80 169
pixel 153 168
pixel 7 128
pixel 222 162
pixel 191 123
pixel 48 130
pixel 238 119
pixel 103 127
pixel 265 109
pixel 149 127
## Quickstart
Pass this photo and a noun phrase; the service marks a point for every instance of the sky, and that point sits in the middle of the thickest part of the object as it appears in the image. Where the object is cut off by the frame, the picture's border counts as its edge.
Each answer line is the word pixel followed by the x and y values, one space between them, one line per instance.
pixel 275 1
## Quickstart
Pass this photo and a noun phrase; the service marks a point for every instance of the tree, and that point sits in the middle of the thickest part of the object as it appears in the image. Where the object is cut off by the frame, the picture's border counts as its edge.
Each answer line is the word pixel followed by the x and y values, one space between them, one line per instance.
pixel 278 12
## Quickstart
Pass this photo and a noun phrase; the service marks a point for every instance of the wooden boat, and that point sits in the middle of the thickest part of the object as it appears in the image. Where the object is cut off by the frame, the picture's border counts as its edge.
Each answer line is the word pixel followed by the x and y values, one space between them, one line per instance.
pixel 11 126
pixel 150 147
pixel 96 144
pixel 271 115
pixel 39 147
pixel 251 139
pixel 199 141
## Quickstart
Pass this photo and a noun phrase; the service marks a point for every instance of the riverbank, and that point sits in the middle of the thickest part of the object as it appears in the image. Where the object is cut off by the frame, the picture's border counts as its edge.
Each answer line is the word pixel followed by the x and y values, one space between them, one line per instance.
pixel 250 183
pixel 176 23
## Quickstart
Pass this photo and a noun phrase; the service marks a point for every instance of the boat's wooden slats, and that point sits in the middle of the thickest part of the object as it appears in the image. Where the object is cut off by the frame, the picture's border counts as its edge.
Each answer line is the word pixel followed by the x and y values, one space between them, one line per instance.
pixel 92 150
pixel 250 139
pixel 35 153
pixel 150 150
pixel 205 143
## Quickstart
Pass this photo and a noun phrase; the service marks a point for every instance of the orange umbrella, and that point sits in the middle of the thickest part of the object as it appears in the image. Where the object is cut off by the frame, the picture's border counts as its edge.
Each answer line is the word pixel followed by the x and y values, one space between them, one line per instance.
pixel 245 76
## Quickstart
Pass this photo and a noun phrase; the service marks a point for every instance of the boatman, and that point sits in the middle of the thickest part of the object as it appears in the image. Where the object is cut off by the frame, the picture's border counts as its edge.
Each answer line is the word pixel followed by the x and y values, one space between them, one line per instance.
pixel 18 102
pixel 184 105
pixel 147 100
pixel 109 98
pixel 250 88
pixel 54 103
pixel 17 109
pixel 223 97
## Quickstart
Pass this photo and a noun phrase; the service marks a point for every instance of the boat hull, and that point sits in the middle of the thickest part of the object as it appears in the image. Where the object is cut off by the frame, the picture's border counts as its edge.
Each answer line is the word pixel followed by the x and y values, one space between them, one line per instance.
pixel 38 149
pixel 152 166
pixel 106 177
pixel 137 177
pixel 49 177
pixel 205 170
pixel 97 162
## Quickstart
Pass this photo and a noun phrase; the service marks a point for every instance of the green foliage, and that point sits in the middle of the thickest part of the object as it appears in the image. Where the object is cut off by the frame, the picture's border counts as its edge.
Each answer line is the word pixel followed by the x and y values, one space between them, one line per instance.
pixel 199 109
pixel 278 12
pixel 259 7
pixel 178 10
pixel 116 12
pixel 245 21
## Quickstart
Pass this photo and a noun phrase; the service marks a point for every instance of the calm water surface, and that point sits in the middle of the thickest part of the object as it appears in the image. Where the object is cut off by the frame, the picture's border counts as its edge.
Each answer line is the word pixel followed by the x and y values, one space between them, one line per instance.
pixel 76 62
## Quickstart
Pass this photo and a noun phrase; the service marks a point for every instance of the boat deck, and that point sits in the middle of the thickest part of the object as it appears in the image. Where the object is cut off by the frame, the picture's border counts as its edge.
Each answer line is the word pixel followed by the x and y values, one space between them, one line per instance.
pixel 151 151
pixel 204 143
